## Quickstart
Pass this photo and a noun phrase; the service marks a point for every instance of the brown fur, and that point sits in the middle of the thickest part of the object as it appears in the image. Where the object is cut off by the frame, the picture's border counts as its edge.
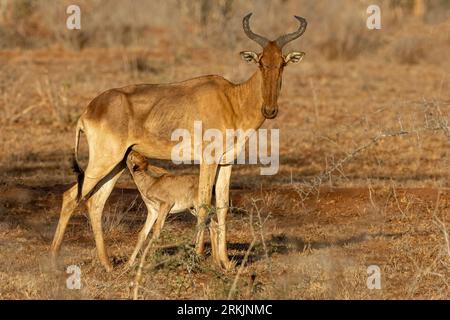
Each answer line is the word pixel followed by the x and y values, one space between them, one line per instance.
pixel 162 192
pixel 142 118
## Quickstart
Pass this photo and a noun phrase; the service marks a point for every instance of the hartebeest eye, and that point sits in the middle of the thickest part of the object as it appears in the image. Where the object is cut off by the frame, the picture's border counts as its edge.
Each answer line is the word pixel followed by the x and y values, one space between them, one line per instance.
pixel 250 56
pixel 294 57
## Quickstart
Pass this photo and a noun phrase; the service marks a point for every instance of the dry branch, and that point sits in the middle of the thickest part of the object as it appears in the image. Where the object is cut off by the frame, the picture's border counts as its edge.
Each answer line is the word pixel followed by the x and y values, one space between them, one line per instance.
pixel 252 244
pixel 137 278
pixel 244 261
pixel 314 185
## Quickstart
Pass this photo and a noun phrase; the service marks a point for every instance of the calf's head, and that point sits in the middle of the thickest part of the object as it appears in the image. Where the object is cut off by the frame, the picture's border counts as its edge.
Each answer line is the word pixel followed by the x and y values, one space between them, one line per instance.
pixel 137 163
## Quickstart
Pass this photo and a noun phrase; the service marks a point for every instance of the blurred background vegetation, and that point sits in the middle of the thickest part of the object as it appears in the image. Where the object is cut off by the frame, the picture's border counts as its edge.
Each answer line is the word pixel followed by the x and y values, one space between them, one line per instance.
pixel 336 28
pixel 396 76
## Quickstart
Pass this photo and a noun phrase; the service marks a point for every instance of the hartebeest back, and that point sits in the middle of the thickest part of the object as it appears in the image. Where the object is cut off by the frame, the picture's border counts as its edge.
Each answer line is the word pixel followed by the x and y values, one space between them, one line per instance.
pixel 142 118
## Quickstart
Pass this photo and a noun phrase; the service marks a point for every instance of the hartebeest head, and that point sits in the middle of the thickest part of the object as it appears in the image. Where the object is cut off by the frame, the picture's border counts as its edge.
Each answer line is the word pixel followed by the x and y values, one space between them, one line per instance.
pixel 271 62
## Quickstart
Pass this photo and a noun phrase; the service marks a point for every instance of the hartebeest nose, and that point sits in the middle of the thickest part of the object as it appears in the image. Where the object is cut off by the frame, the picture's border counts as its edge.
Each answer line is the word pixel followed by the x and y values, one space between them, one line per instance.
pixel 269 112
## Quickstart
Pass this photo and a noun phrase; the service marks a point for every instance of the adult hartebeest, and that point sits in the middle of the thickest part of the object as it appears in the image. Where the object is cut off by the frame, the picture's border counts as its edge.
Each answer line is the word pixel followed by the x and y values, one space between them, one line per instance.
pixel 143 117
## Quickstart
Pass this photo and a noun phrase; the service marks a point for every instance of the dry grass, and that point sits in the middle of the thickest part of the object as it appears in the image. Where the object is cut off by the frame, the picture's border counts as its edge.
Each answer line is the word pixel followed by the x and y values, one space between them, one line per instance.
pixel 367 112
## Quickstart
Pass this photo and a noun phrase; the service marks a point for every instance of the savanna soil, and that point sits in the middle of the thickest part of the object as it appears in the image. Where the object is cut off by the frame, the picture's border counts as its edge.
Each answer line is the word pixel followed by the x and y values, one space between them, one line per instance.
pixel 385 204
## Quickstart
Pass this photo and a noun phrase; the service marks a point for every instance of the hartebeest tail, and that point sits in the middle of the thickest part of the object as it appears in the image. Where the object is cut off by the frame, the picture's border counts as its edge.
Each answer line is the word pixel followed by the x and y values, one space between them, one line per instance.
pixel 75 165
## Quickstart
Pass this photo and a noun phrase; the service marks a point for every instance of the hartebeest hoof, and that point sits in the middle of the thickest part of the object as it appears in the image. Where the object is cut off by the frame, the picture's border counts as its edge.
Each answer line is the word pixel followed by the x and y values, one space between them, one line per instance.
pixel 107 265
pixel 129 264
pixel 108 268
pixel 228 265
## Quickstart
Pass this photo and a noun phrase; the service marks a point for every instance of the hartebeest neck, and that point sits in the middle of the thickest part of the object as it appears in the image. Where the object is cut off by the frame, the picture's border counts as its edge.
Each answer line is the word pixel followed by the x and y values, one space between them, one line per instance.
pixel 142 178
pixel 249 102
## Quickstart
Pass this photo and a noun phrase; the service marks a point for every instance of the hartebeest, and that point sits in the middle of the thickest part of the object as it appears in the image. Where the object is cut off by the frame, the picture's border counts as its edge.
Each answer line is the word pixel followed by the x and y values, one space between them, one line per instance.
pixel 163 193
pixel 142 118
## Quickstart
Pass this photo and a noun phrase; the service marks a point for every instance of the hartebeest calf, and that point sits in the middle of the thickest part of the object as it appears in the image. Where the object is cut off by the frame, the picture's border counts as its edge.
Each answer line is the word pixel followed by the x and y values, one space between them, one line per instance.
pixel 143 117
pixel 163 193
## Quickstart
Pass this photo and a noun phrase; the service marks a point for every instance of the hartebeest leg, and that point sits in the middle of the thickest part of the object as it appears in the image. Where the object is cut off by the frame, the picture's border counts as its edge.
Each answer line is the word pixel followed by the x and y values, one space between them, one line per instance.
pixel 152 215
pixel 222 204
pixel 95 205
pixel 164 210
pixel 158 216
pixel 206 182
pixel 69 204
pixel 213 236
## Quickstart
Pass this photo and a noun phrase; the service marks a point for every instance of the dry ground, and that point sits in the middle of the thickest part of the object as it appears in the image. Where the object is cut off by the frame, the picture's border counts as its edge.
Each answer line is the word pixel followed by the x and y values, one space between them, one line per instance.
pixel 363 180
pixel 317 249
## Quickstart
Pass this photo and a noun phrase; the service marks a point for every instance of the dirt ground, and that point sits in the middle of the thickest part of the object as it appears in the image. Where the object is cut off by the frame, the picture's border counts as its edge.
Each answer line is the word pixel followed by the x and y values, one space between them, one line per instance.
pixel 319 249
pixel 363 180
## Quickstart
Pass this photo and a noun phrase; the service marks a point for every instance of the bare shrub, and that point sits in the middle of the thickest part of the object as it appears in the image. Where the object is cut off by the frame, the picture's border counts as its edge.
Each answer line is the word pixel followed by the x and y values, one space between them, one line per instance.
pixel 140 63
pixel 346 36
pixel 337 29
pixel 11 38
pixel 346 44
pixel 113 218
pixel 410 50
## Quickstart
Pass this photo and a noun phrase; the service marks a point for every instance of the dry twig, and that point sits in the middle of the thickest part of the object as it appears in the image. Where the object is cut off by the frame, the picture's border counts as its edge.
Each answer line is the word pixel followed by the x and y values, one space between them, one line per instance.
pixel 244 261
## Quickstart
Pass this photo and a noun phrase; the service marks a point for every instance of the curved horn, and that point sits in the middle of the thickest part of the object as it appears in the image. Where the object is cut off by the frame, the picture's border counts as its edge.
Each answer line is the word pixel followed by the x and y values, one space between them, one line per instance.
pixel 282 40
pixel 257 38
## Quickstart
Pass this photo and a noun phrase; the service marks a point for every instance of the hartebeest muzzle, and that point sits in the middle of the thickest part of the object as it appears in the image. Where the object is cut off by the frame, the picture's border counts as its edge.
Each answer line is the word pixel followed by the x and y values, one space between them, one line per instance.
pixel 269 113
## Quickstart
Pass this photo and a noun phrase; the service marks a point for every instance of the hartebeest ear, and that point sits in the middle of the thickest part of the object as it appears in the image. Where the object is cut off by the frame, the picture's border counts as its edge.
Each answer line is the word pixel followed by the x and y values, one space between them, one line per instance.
pixel 294 57
pixel 250 56
pixel 156 172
